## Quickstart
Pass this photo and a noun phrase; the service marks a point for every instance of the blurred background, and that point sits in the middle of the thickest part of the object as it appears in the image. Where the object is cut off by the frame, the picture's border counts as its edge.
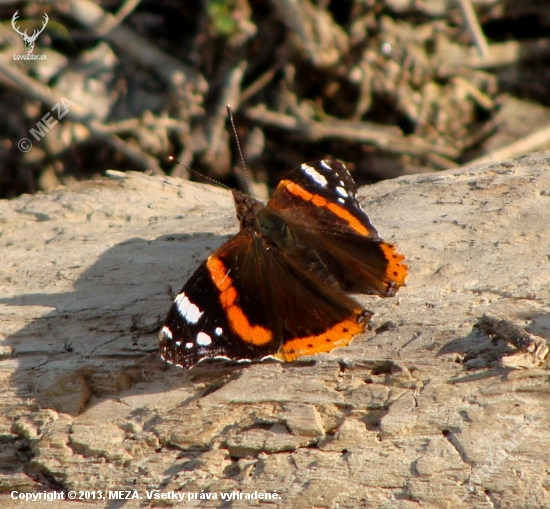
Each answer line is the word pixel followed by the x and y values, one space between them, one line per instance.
pixel 391 87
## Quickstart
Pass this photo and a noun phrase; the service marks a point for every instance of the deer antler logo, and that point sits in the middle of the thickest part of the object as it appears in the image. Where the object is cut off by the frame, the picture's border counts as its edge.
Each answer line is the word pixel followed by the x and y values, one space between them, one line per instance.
pixel 29 39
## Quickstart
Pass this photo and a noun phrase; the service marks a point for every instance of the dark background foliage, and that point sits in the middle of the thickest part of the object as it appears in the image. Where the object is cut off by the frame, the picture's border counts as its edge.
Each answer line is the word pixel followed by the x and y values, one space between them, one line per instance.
pixel 388 86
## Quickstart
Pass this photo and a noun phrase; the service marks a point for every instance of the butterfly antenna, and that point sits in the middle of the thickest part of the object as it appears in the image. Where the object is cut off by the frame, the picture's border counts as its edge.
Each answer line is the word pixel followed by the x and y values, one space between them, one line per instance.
pixel 231 119
pixel 198 173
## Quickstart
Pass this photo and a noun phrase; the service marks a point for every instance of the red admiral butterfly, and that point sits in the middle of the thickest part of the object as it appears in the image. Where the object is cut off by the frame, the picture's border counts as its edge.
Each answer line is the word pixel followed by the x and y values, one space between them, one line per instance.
pixel 277 288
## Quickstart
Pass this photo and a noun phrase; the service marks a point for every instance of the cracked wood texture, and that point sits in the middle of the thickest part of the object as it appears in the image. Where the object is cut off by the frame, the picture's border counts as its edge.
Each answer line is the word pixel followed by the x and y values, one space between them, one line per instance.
pixel 416 413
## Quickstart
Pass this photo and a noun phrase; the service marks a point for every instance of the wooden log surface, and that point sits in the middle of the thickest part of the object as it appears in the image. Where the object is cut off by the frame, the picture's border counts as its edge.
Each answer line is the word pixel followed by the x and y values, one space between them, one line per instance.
pixel 419 412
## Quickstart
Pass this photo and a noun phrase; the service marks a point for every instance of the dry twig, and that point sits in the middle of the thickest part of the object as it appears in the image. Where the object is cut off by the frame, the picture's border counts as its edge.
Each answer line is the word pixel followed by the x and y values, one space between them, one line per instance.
pixel 498 55
pixel 217 153
pixel 388 138
pixel 110 22
pixel 534 348
pixel 530 143
pixel 475 28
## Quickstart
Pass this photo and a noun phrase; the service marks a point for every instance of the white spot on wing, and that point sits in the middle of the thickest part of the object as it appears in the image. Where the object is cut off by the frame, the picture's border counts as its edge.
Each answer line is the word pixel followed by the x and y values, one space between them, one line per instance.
pixel 178 343
pixel 314 175
pixel 188 346
pixel 341 191
pixel 218 331
pixel 166 332
pixel 341 200
pixel 187 309
pixel 325 165
pixel 203 339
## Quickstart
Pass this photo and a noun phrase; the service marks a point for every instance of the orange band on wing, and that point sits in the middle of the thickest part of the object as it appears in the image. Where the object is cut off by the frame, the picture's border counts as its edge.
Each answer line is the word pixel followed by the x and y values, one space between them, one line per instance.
pixel 319 201
pixel 252 334
pixel 337 336
pixel 396 271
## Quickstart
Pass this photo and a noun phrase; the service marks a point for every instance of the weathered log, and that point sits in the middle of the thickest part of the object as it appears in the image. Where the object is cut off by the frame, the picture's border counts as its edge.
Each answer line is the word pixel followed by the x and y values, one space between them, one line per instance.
pixel 418 412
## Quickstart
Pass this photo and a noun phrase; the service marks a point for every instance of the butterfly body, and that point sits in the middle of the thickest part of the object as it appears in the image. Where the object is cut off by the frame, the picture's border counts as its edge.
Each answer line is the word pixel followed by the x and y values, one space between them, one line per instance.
pixel 279 287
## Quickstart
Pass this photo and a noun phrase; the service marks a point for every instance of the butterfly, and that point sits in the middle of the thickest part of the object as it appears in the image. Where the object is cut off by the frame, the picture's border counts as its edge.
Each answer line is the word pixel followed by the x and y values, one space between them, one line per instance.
pixel 279 288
